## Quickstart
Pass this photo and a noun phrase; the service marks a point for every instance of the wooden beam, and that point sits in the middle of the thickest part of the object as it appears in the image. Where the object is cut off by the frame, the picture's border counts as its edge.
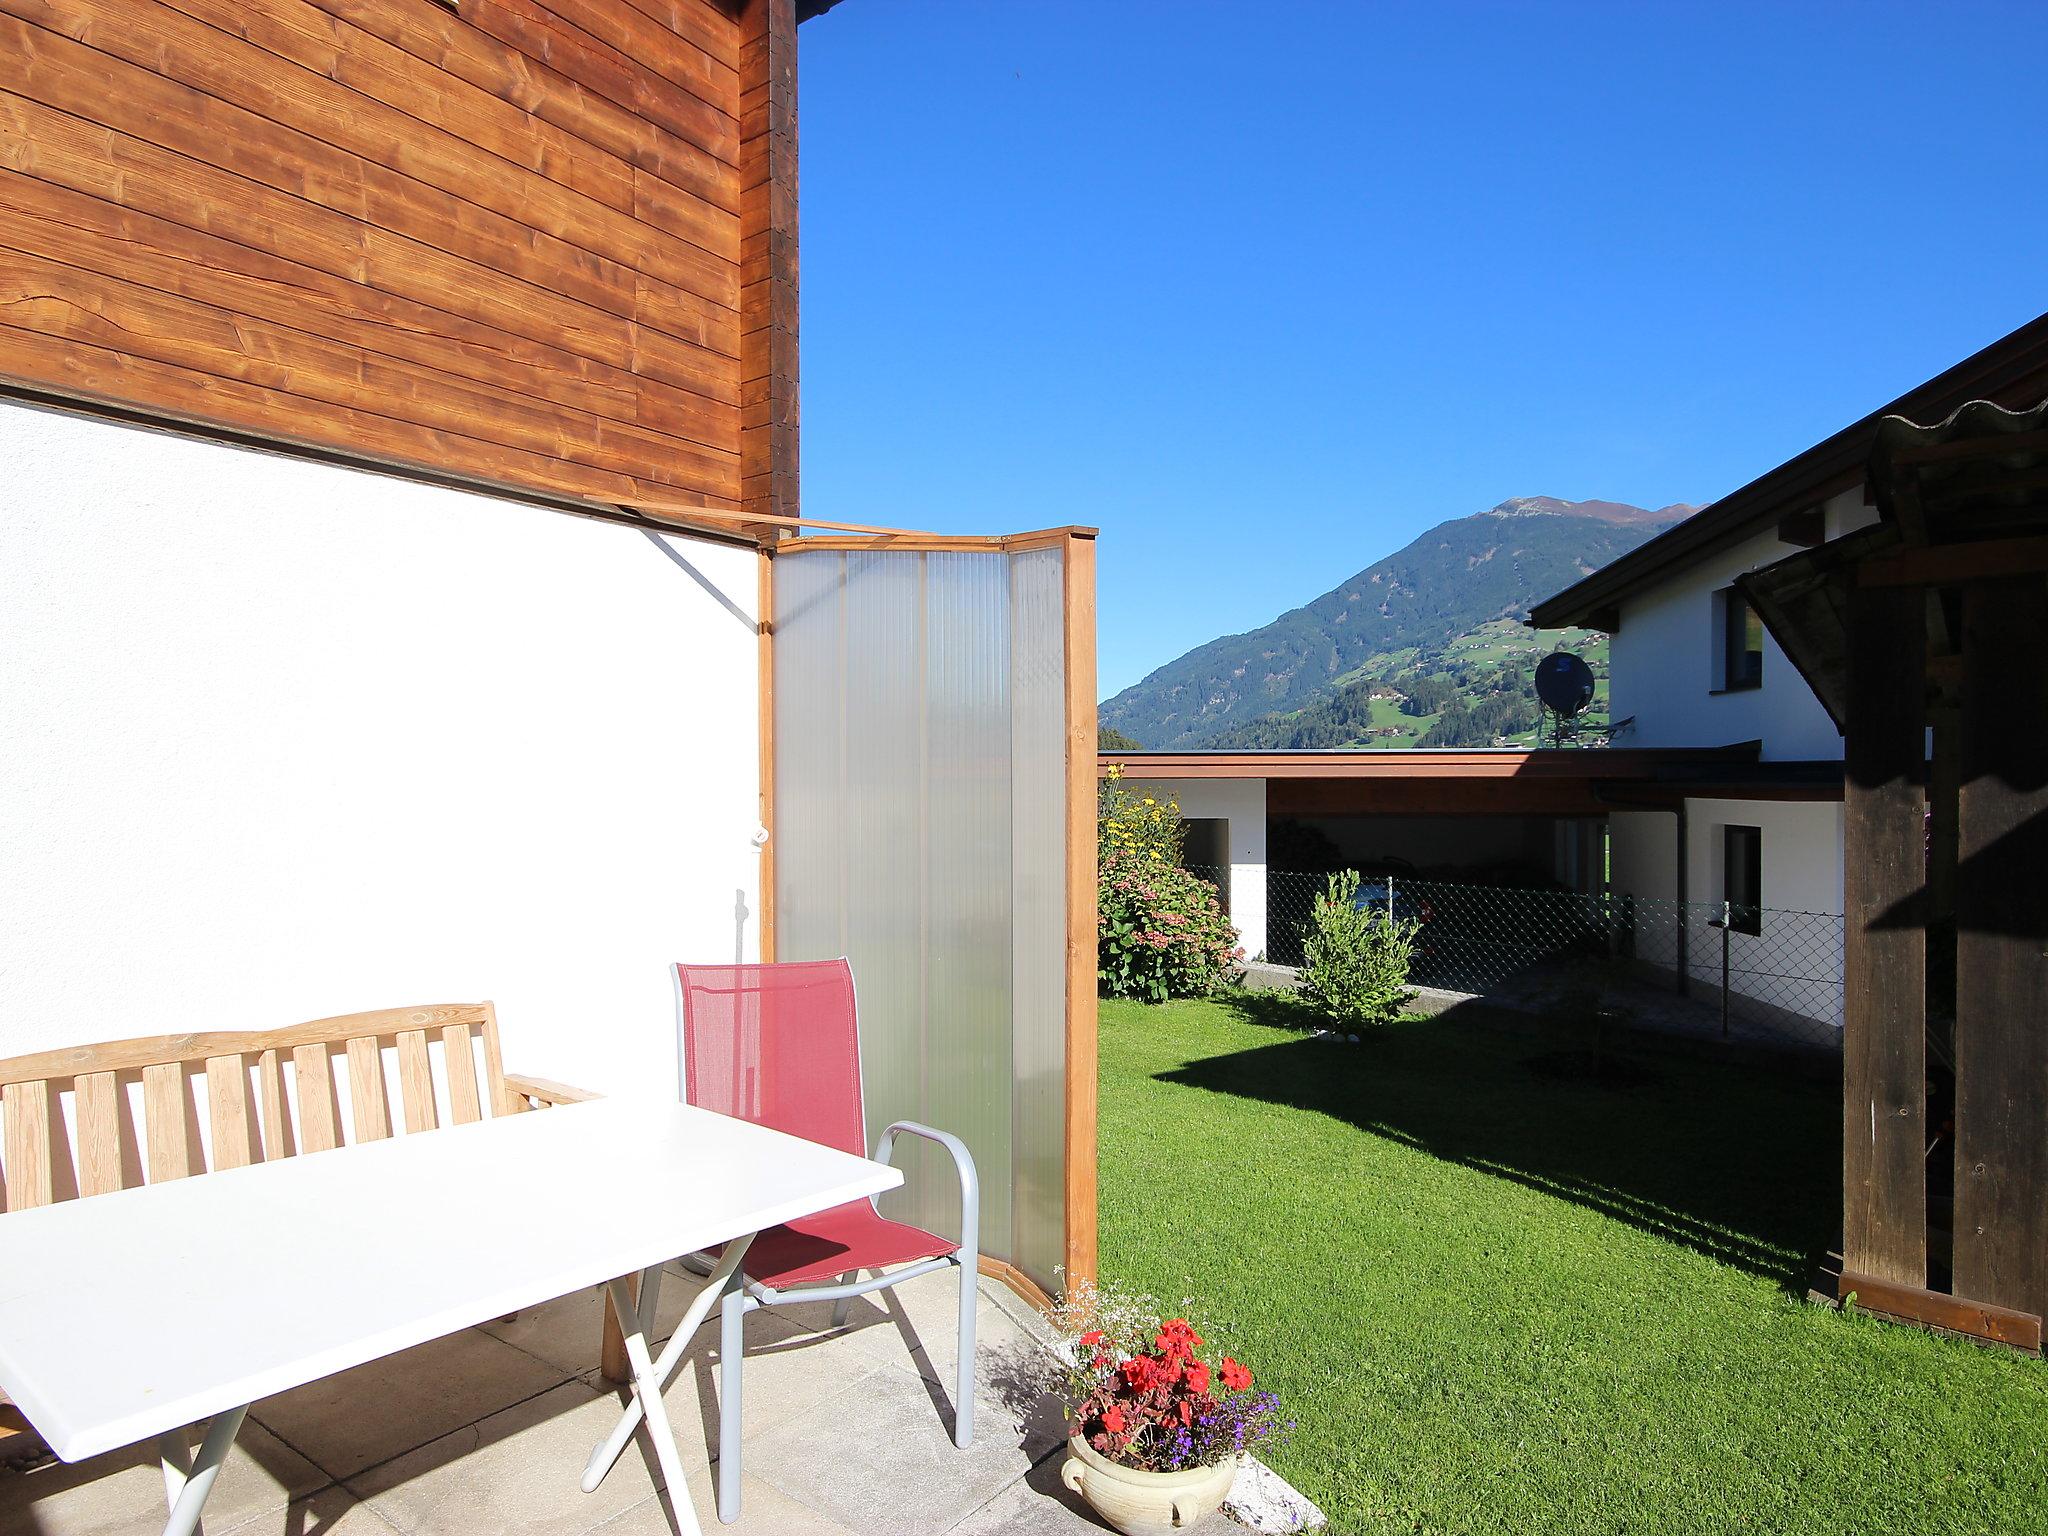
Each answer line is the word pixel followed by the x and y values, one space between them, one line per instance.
pixel 1933 1309
pixel 1022 1285
pixel 765 662
pixel 2001 1110
pixel 1806 527
pixel 1081 1082
pixel 1422 796
pixel 1942 565
pixel 873 536
pixel 769 456
pixel 903 540
pixel 1908 512
pixel 1884 1037
pixel 1992 445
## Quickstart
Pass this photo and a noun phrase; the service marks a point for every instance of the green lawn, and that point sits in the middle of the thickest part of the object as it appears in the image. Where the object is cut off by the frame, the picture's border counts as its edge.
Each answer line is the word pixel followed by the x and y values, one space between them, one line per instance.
pixel 1502 1302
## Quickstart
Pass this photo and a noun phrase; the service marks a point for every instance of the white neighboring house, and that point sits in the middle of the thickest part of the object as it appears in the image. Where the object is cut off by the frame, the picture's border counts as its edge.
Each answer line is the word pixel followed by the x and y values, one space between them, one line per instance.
pixel 1692 666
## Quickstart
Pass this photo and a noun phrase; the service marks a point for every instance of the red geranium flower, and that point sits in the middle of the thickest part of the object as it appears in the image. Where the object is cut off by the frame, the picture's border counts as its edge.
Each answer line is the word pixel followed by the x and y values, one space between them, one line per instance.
pixel 1197 1376
pixel 1113 1420
pixel 1091 1338
pixel 1235 1377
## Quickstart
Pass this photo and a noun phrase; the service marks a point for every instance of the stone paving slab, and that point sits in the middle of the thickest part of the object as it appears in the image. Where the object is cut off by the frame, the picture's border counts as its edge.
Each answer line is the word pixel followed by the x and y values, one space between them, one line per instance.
pixel 848 1433
pixel 346 1423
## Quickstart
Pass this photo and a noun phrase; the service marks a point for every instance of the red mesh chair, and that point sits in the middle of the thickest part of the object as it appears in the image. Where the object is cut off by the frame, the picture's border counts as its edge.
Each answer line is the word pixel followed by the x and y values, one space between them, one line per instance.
pixel 780 1045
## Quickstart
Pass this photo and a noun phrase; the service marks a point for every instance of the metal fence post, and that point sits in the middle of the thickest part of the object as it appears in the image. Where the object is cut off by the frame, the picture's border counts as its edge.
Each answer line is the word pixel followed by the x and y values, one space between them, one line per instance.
pixel 1726 922
pixel 1727 926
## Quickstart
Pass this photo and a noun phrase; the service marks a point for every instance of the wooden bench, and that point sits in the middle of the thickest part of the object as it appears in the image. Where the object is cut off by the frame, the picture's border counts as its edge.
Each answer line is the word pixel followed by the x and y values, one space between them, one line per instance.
pixel 90 1119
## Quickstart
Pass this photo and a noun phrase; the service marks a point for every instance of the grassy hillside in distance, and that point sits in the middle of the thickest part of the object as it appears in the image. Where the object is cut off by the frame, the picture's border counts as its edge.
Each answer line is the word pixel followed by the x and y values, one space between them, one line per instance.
pixel 1444 588
pixel 1477 691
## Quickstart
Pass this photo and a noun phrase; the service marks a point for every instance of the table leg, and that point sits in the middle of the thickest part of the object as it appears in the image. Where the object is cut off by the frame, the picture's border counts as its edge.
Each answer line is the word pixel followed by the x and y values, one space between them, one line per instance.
pixel 647 1384
pixel 664 1369
pixel 193 1487
pixel 174 1450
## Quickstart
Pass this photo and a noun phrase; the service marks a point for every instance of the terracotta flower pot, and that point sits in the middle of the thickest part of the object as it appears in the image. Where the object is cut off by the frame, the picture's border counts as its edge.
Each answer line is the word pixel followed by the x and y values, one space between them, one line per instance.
pixel 1145 1503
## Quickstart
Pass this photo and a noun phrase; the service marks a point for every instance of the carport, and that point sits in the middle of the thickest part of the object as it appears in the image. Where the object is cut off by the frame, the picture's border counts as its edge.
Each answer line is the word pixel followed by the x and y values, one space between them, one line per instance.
pixel 1510 815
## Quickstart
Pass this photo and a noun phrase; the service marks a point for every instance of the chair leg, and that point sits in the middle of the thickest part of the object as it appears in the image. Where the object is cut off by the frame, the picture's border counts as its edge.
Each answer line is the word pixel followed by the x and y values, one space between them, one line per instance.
pixel 732 1349
pixel 963 1385
pixel 841 1306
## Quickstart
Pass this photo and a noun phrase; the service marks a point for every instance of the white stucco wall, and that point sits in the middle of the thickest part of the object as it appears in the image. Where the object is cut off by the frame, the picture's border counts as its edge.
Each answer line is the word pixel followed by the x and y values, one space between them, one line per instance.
pixel 1241 802
pixel 1798 954
pixel 1802 851
pixel 1642 852
pixel 280 740
pixel 1662 661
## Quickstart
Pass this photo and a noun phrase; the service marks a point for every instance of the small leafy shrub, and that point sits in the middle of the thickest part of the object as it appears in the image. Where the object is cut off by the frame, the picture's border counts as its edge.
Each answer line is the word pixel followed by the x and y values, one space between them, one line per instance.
pixel 1355 961
pixel 1160 931
pixel 1140 1393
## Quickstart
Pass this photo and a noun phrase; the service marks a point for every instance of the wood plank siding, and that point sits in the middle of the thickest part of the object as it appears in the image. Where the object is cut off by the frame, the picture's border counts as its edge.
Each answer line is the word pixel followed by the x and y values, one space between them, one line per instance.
pixel 498 239
pixel 768 228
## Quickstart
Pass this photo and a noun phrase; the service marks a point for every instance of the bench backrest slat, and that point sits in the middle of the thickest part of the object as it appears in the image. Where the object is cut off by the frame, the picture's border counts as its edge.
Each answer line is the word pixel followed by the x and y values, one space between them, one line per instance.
pixel 135 1116
pixel 98 1108
pixel 416 1082
pixel 462 1095
pixel 163 1111
pixel 366 1089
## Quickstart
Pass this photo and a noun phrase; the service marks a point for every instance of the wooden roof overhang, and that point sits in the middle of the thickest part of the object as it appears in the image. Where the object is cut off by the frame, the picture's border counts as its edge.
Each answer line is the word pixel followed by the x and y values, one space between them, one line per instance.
pixel 1815 780
pixel 1965 499
pixel 1443 782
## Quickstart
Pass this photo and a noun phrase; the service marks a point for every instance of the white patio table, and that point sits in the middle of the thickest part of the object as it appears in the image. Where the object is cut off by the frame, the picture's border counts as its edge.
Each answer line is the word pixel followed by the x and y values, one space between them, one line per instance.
pixel 137 1314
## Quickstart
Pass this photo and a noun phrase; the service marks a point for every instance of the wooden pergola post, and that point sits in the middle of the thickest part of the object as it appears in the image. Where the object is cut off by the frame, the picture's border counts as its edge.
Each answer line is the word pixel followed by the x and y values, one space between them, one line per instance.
pixel 2001 1223
pixel 1884 1037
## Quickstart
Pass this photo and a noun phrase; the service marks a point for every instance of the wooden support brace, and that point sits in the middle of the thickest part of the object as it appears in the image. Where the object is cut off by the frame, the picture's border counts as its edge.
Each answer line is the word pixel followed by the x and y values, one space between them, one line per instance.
pixel 1884 1036
pixel 2001 1221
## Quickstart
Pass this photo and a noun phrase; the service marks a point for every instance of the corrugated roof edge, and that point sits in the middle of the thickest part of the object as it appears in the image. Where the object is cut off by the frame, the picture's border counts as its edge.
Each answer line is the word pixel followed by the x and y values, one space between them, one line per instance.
pixel 2013 371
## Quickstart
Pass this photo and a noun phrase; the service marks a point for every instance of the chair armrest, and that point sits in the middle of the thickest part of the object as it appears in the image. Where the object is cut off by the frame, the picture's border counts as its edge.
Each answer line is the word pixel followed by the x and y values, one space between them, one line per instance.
pixel 544 1093
pixel 963 1165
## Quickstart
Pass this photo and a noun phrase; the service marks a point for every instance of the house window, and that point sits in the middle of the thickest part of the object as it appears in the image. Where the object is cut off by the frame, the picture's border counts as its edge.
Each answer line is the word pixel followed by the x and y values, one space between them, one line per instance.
pixel 1741 660
pixel 1742 877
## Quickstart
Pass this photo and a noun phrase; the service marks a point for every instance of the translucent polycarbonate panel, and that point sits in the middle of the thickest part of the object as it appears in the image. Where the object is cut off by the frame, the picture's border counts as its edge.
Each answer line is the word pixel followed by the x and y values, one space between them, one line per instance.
pixel 920 813
pixel 1038 814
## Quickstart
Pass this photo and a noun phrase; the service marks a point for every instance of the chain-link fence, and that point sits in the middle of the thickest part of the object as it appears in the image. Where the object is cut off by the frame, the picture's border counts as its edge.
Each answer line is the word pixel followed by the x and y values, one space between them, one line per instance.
pixel 1757 974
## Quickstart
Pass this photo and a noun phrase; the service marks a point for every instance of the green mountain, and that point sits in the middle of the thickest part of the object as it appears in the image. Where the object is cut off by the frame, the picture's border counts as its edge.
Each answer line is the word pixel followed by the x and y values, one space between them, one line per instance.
pixel 1458 584
pixel 1474 692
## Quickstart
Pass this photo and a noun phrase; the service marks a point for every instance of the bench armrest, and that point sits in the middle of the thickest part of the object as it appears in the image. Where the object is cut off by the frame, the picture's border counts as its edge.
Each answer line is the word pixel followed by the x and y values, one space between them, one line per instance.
pixel 539 1092
pixel 963 1166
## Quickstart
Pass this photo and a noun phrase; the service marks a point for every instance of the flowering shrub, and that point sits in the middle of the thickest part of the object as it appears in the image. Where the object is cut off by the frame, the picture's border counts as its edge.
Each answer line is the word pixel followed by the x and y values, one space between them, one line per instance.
pixel 1147 827
pixel 1141 1394
pixel 1160 931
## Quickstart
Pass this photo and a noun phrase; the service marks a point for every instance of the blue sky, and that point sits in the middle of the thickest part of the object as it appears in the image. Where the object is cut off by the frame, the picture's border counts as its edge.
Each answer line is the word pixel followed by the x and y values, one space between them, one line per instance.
pixel 1265 292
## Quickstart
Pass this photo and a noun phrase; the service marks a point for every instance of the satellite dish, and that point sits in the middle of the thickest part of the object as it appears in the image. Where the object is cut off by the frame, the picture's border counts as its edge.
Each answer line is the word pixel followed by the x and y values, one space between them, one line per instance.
pixel 1565 685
